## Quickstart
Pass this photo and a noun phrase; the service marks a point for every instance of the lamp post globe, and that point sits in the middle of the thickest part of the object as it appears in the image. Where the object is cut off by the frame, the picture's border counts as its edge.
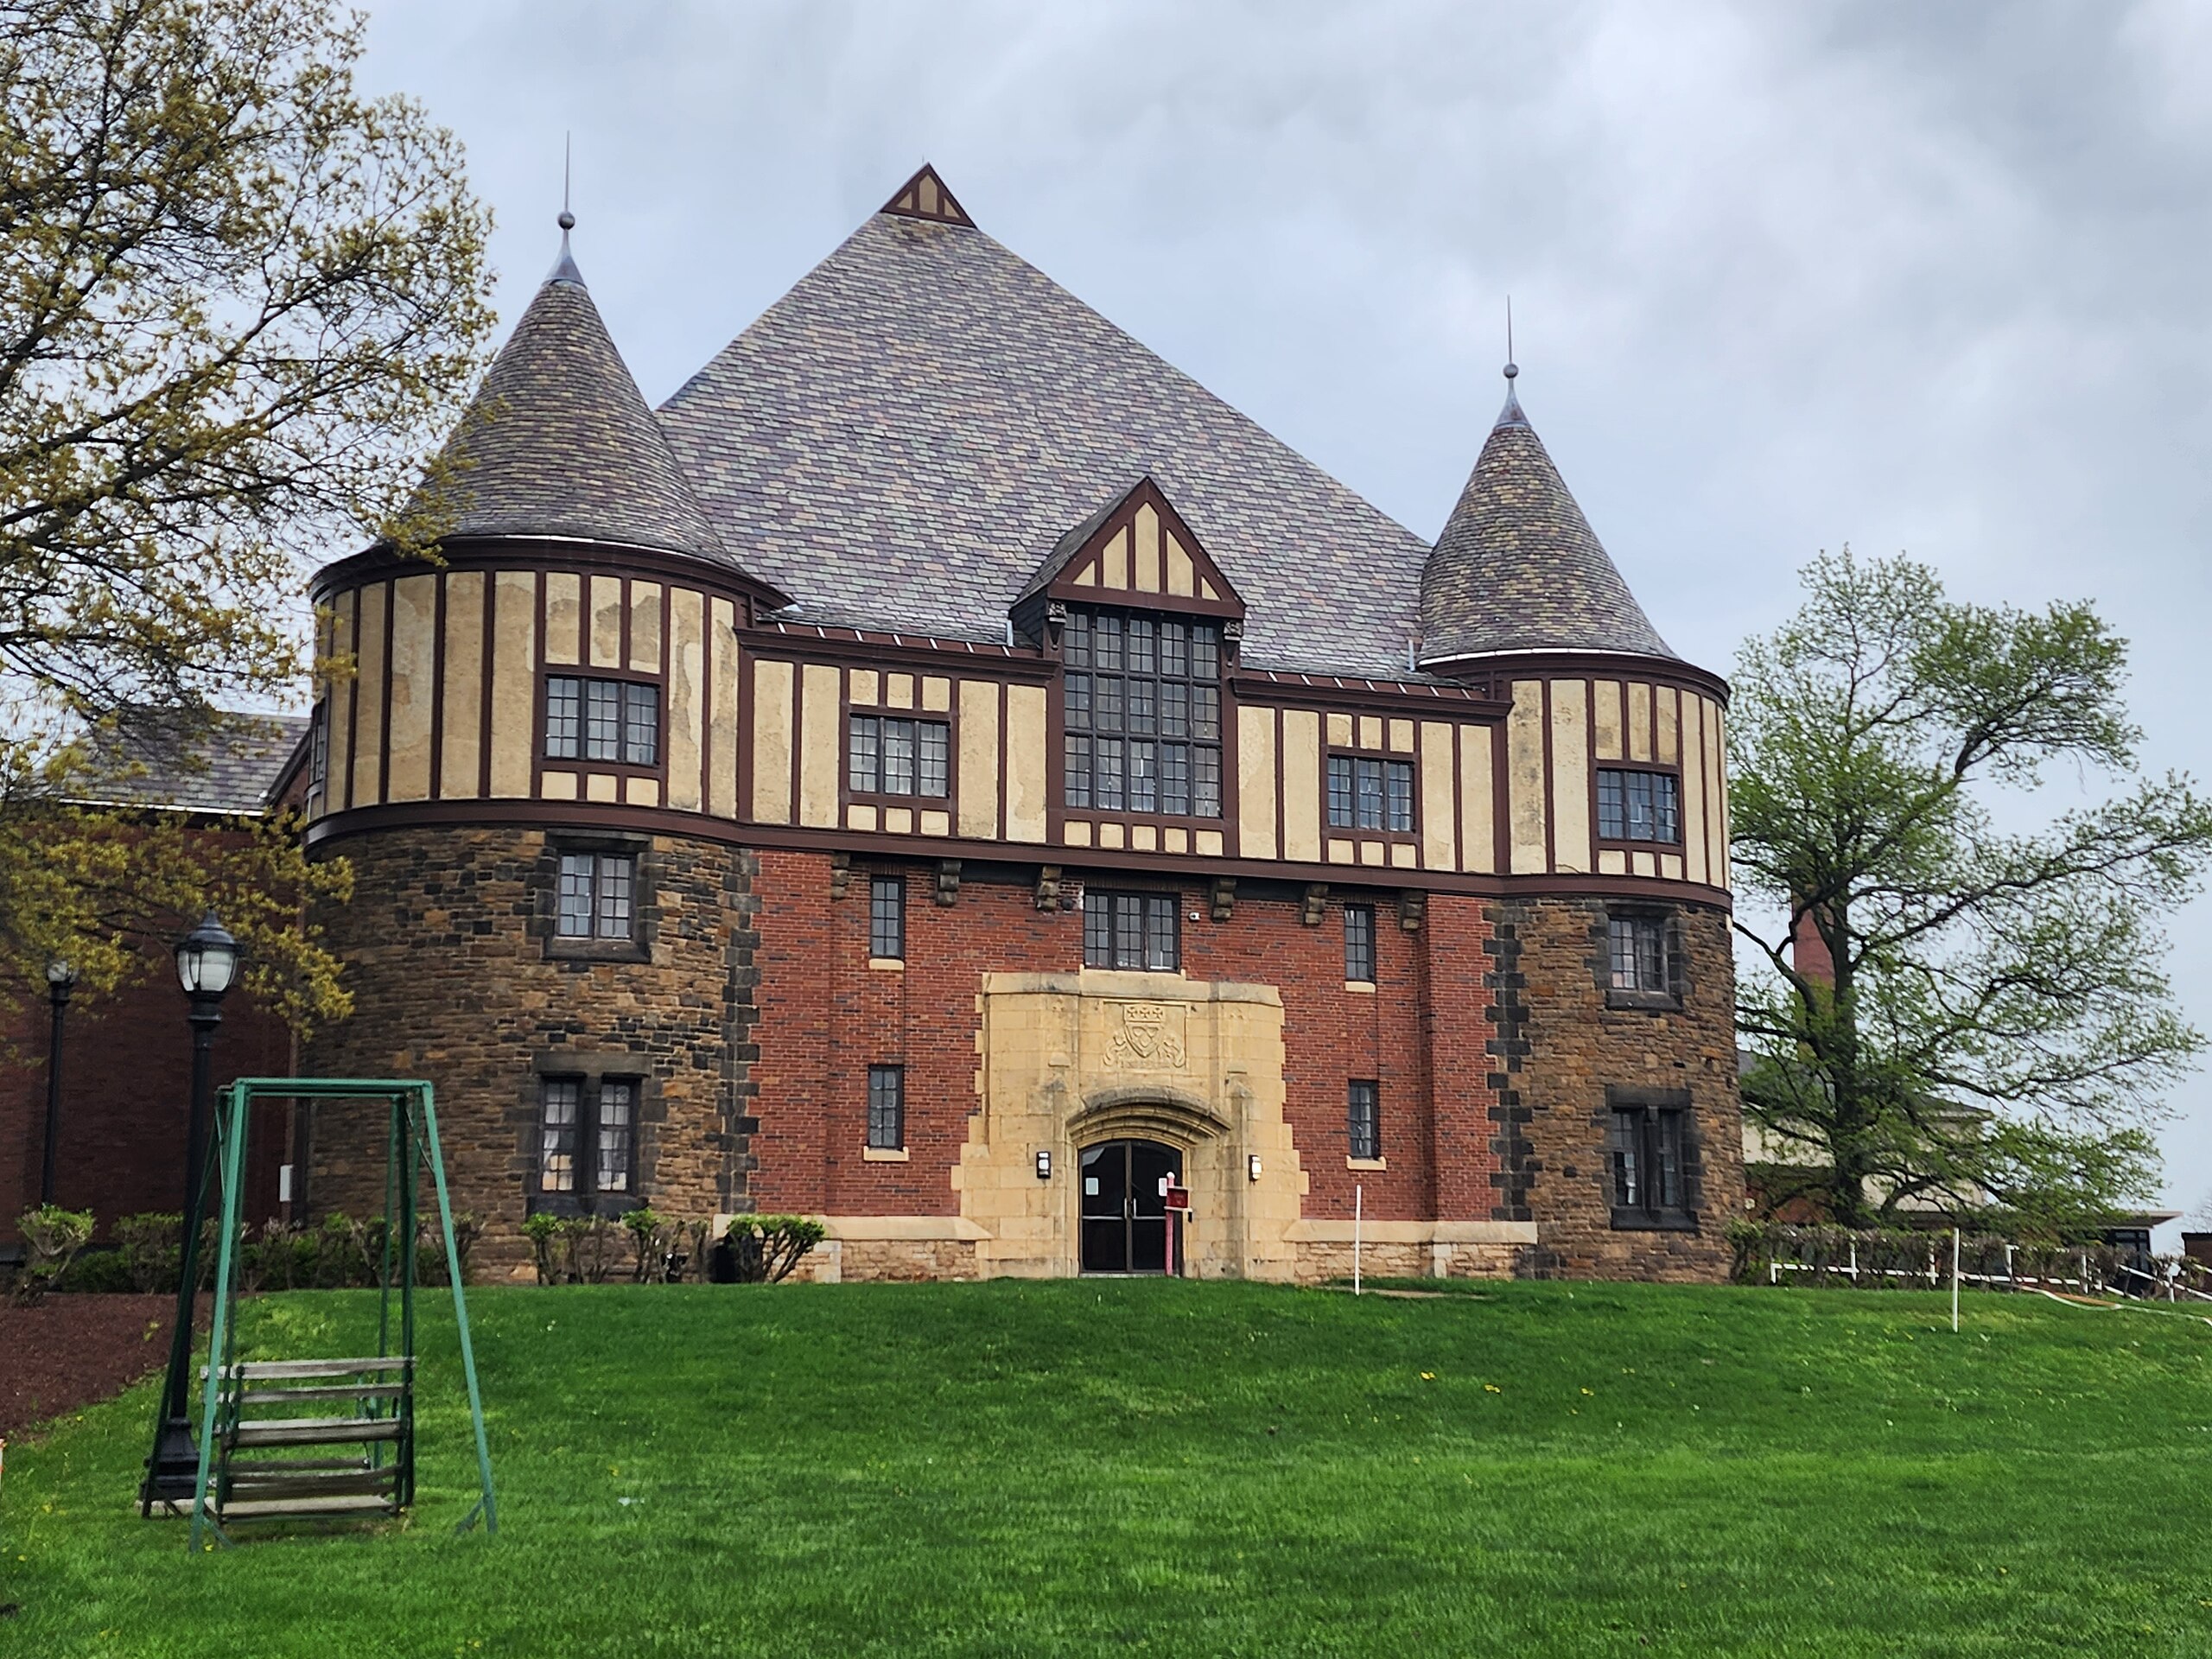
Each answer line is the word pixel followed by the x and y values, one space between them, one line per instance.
pixel 61 980
pixel 206 963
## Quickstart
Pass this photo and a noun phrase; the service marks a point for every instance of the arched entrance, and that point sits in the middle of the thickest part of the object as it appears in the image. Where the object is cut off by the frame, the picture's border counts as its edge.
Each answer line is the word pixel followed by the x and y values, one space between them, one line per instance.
pixel 1124 1212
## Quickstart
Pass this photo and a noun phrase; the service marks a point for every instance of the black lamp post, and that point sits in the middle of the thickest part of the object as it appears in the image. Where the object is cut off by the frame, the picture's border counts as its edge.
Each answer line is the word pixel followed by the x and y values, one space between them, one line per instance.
pixel 206 961
pixel 61 980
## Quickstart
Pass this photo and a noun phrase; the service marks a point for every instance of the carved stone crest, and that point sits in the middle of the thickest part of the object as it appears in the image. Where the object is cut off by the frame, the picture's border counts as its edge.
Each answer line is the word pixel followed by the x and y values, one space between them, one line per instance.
pixel 1147 1036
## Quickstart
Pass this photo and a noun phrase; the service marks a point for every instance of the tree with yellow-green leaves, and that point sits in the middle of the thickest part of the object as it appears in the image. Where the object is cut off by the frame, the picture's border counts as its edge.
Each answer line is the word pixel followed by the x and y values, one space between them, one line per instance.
pixel 240 302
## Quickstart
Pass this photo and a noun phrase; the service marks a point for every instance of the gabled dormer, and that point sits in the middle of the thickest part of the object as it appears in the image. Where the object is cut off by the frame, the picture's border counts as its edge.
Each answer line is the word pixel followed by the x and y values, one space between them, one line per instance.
pixel 1135 552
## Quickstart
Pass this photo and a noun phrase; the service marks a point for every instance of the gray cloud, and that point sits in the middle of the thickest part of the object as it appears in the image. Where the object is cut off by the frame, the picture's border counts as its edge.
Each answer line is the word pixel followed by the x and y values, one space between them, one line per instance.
pixel 1904 275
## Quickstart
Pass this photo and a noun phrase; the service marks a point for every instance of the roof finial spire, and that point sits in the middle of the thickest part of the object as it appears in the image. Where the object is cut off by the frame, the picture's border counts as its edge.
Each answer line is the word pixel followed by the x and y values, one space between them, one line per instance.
pixel 1511 414
pixel 564 269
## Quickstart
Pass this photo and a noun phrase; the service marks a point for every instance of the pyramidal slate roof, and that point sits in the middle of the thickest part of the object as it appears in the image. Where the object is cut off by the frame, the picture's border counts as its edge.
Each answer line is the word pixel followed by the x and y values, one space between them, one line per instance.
pixel 904 438
pixel 559 441
pixel 1518 568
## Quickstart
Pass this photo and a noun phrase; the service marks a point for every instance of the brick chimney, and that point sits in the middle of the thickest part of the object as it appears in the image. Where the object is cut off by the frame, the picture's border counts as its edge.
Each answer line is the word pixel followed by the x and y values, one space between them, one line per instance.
pixel 1809 952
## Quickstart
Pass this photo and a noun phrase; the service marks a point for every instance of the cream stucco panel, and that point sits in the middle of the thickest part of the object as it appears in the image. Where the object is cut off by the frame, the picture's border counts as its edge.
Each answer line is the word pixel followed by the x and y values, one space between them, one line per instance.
pixel 1524 777
pixel 772 741
pixel 514 681
pixel 461 733
pixel 1570 776
pixel 821 743
pixel 687 687
pixel 368 692
pixel 413 650
pixel 1256 781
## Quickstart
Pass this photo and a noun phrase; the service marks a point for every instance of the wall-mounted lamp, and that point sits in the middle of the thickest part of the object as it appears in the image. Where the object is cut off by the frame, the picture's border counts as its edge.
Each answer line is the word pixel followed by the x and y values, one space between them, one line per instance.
pixel 1252 1167
pixel 1044 1165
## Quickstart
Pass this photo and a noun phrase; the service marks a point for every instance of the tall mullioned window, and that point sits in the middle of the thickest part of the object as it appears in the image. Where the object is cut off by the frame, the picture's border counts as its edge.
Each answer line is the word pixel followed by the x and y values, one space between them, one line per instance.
pixel 1649 1149
pixel 1141 712
pixel 886 917
pixel 587 1150
pixel 1359 943
pixel 1363 1118
pixel 1638 947
pixel 886 1106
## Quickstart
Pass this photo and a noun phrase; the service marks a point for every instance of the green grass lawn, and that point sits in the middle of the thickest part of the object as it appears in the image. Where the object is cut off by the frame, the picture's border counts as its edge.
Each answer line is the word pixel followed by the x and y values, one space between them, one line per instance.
pixel 1087 1466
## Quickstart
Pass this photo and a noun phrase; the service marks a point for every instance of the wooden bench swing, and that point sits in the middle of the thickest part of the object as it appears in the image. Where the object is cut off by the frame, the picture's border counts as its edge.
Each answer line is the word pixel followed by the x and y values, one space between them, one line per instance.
pixel 302 1438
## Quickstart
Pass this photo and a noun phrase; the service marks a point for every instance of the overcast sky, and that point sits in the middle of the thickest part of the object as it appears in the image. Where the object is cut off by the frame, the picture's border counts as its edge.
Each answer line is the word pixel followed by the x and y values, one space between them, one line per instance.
pixel 1783 277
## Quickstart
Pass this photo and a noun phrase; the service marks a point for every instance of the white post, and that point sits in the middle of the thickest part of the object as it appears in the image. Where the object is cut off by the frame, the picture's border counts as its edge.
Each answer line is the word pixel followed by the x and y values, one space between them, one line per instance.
pixel 1854 1261
pixel 1954 1279
pixel 1355 1238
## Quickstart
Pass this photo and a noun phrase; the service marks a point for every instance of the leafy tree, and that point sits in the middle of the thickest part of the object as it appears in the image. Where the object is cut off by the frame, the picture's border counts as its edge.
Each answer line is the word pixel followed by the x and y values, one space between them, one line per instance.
pixel 1997 1020
pixel 239 303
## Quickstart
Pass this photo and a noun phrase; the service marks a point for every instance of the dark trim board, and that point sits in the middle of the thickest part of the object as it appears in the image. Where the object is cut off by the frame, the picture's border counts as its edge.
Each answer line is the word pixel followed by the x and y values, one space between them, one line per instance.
pixel 588 815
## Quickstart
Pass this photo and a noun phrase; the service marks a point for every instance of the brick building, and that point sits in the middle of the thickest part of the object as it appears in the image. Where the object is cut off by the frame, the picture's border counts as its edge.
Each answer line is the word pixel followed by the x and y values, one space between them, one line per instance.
pixel 945 771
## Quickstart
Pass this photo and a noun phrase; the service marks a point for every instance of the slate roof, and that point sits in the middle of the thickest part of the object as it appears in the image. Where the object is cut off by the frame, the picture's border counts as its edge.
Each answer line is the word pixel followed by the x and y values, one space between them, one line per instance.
pixel 902 439
pixel 226 762
pixel 560 442
pixel 1518 568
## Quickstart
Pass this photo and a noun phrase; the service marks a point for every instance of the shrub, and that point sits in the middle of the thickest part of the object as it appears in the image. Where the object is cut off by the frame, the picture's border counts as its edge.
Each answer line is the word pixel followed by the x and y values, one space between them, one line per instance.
pixel 544 1232
pixel 151 1245
pixel 52 1237
pixel 99 1273
pixel 765 1249
pixel 648 1245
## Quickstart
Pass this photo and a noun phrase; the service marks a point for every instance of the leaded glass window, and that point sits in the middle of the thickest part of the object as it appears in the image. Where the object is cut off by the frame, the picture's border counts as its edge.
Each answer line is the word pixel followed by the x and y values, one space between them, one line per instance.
pixel 613 721
pixel 1638 805
pixel 889 756
pixel 1368 792
pixel 1140 714
pixel 1134 931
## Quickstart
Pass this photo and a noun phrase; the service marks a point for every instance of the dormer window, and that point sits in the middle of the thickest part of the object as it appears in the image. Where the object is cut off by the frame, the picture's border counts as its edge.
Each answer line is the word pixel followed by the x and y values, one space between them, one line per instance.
pixel 1142 711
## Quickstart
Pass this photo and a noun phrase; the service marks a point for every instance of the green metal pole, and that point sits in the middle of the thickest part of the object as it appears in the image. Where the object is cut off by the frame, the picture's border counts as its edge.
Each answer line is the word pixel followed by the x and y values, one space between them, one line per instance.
pixel 410 1151
pixel 229 1130
pixel 488 1504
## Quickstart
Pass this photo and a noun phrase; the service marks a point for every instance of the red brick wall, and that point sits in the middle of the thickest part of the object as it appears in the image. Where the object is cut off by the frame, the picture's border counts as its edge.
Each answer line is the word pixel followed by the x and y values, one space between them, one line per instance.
pixel 126 1076
pixel 826 1017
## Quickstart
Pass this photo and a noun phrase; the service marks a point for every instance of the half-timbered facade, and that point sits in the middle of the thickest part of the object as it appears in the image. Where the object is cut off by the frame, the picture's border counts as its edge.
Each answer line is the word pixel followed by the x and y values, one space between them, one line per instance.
pixel 946 773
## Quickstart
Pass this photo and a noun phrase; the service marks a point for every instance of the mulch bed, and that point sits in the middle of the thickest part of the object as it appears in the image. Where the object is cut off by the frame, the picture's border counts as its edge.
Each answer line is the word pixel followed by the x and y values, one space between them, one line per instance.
pixel 71 1351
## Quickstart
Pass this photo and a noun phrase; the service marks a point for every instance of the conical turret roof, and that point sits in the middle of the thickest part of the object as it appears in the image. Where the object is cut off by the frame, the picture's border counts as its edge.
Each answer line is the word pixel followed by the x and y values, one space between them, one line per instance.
pixel 559 441
pixel 1518 568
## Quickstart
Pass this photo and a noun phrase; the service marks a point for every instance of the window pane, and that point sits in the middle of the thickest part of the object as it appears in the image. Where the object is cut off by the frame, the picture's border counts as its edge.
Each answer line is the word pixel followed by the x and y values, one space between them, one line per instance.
pixel 886 1106
pixel 1340 791
pixel 1206 786
pixel 933 759
pixel 1362 1120
pixel 1108 790
pixel 887 917
pixel 1143 712
pixel 1144 776
pixel 1175 778
pixel 1075 640
pixel 1628 1163
pixel 1097 929
pixel 1398 778
pixel 1367 796
pixel 1077 691
pixel 1667 809
pixel 1205 712
pixel 863 752
pixel 574 916
pixel 563 716
pixel 1078 766
pixel 1128 930
pixel 1106 643
pixel 898 756
pixel 1639 805
pixel 1205 652
pixel 1667 1169
pixel 557 1153
pixel 640 725
pixel 614 898
pixel 1612 810
pixel 602 720
pixel 1359 943
pixel 1175 648
pixel 1138 655
pixel 1159 932
pixel 1106 705
pixel 1174 709
pixel 611 1173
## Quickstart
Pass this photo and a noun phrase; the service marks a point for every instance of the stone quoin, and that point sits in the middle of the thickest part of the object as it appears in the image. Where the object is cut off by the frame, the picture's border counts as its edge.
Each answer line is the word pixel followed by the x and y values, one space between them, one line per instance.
pixel 945 773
